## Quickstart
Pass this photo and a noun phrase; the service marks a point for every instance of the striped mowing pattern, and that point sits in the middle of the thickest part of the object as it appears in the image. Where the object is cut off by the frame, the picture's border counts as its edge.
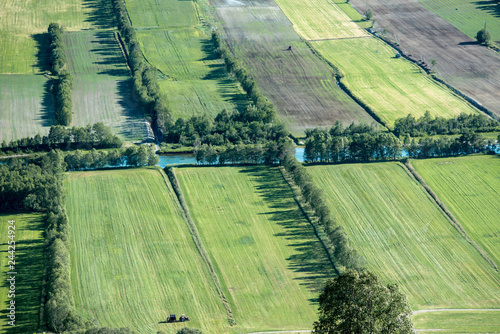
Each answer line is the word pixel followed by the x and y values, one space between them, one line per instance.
pixel 404 237
pixel 470 188
pixel 133 259
pixel 266 255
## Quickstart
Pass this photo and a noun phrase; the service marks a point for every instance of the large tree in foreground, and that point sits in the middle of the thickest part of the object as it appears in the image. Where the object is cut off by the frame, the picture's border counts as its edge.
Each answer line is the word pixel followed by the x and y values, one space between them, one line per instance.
pixel 357 302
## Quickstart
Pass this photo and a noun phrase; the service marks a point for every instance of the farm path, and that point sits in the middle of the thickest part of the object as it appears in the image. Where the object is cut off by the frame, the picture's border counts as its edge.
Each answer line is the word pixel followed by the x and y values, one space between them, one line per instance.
pixel 337 38
pixel 471 68
pixel 457 310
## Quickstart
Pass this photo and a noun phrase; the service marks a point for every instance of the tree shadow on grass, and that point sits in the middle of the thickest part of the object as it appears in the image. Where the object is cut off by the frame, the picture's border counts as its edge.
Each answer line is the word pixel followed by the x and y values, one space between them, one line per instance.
pixel 42 52
pixel 110 55
pixel 489 6
pixel 101 14
pixel 28 282
pixel 310 258
pixel 47 110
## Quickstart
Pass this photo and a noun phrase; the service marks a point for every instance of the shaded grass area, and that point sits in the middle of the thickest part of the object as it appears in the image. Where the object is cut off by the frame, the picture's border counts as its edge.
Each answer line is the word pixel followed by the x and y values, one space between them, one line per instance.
pixel 29 266
pixel 404 237
pixel 133 259
pixel 392 86
pixel 26 106
pixel 21 21
pixel 459 322
pixel 270 263
pixel 301 86
pixel 102 84
pixel 468 16
pixel 174 41
pixel 470 188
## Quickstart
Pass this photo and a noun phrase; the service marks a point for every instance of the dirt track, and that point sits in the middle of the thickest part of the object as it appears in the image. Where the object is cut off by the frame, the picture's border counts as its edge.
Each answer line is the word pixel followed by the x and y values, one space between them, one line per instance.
pixel 471 68
pixel 302 87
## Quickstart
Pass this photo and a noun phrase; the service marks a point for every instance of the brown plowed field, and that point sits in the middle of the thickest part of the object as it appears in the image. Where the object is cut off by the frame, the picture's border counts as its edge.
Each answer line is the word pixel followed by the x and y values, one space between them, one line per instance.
pixel 471 68
pixel 302 86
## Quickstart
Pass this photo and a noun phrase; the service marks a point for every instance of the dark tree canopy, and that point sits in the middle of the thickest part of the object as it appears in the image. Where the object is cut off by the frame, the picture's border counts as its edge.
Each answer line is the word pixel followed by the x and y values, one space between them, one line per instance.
pixel 357 302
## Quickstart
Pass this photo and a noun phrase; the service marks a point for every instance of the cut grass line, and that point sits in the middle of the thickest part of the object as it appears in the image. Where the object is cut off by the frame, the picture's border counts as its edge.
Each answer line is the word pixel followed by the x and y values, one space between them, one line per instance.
pixel 197 240
pixel 458 310
pixel 336 38
pixel 450 217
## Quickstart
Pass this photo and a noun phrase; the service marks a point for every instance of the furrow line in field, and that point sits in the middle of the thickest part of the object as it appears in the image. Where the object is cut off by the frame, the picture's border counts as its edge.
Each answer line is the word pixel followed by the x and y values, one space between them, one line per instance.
pixel 446 212
pixel 197 239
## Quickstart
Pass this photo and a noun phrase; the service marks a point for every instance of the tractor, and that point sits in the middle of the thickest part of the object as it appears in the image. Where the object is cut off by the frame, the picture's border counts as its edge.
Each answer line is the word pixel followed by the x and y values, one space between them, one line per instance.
pixel 173 318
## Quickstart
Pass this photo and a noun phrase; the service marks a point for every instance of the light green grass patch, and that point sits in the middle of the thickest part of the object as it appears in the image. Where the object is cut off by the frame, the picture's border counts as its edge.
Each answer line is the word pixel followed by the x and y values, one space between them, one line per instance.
pixel 25 106
pixel 147 14
pixel 392 86
pixel 319 19
pixel 470 188
pixel 405 238
pixel 269 261
pixel 133 259
pixel 28 257
pixel 459 321
pixel 468 16
pixel 102 84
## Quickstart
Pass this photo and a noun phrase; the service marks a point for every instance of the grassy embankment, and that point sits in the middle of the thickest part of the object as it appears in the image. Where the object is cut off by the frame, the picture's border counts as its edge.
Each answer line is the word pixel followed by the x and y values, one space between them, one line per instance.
pixel 266 255
pixel 133 259
pixel 174 40
pixel 392 87
pixel 29 267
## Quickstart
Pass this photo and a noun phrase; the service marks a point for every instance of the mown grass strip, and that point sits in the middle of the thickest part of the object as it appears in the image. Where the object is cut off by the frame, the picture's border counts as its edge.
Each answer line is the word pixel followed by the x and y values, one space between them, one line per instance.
pixel 198 242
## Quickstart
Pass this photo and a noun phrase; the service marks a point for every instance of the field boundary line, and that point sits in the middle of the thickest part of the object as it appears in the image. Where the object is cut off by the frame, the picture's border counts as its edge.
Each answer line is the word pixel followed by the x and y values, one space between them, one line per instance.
pixel 296 197
pixel 407 166
pixel 174 182
pixel 458 310
pixel 337 38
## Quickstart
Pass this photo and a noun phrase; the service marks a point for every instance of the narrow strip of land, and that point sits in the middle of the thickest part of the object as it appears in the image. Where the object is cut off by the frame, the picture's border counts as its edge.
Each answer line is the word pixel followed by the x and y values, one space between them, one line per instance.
pixel 457 310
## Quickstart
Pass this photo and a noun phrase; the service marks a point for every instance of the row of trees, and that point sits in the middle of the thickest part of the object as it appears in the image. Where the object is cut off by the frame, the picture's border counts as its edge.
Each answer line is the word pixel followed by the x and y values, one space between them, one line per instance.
pixel 345 256
pixel 429 126
pixel 64 83
pixel 145 80
pixel 265 109
pixel 245 127
pixel 132 156
pixel 86 137
pixel 342 145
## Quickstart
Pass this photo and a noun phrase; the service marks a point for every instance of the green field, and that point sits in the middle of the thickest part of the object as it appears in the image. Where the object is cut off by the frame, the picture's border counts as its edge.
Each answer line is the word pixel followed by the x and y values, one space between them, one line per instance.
pixel 29 248
pixel 404 237
pixel 22 22
pixel 133 259
pixel 25 106
pixel 102 84
pixel 174 41
pixel 468 16
pixel 470 188
pixel 458 321
pixel 374 74
pixel 266 255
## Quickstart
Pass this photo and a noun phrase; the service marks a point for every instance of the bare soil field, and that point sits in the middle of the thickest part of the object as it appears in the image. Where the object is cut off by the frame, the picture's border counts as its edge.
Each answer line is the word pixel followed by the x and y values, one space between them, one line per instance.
pixel 467 66
pixel 302 86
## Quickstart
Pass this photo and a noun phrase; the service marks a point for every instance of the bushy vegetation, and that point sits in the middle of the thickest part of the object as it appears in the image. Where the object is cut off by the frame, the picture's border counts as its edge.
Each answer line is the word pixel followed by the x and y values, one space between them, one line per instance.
pixel 88 137
pixel 64 82
pixel 145 87
pixel 429 126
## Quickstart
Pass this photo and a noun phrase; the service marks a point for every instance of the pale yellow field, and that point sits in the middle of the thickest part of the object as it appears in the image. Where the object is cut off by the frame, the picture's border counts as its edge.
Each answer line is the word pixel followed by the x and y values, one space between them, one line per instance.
pixel 319 19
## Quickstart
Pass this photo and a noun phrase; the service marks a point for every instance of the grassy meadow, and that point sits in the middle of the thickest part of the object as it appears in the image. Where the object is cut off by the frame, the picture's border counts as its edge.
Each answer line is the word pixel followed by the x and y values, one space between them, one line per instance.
pixel 102 84
pixel 375 74
pixel 301 86
pixel 25 106
pixel 267 257
pixel 470 188
pixel 133 259
pixel 29 247
pixel 468 16
pixel 174 41
pixel 458 321
pixel 404 237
